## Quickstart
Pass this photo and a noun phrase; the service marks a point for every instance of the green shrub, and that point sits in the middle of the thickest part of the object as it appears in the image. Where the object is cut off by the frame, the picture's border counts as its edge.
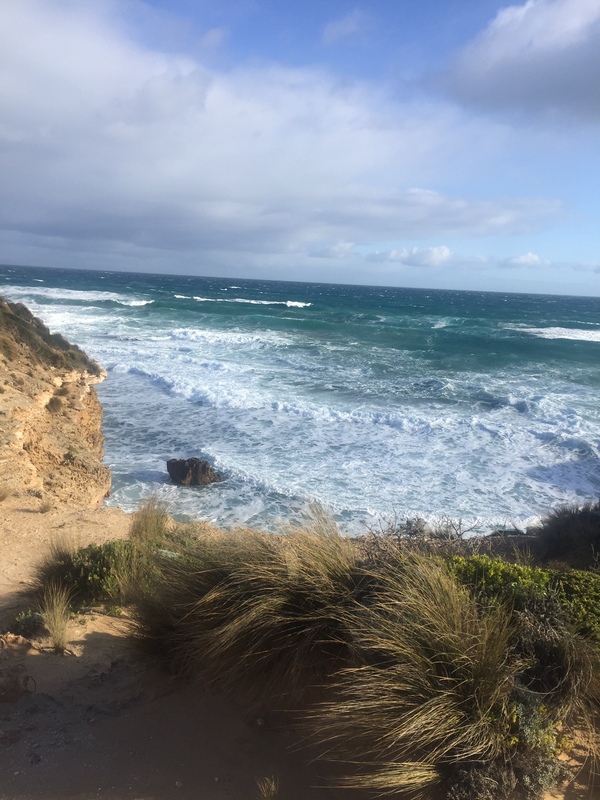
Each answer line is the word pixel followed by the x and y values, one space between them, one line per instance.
pixel 18 326
pixel 27 623
pixel 556 621
pixel 571 597
pixel 90 574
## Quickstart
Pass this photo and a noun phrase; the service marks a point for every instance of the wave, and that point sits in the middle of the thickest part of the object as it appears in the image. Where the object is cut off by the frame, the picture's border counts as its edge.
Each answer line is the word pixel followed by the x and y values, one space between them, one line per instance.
pixel 24 292
pixel 223 337
pixel 288 303
pixel 134 303
pixel 62 294
pixel 575 334
pixel 246 397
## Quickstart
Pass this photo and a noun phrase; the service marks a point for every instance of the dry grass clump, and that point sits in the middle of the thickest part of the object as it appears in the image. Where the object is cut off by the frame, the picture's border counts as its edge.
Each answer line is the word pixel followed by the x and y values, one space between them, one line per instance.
pixel 254 609
pixel 46 506
pixel 571 535
pixel 54 405
pixel 432 687
pixel 394 537
pixel 150 524
pixel 268 788
pixel 5 493
pixel 55 608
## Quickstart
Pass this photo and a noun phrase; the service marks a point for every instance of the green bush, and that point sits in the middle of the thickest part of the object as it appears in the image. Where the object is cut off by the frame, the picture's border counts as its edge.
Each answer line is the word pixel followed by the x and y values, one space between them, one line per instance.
pixel 91 574
pixel 27 623
pixel 572 597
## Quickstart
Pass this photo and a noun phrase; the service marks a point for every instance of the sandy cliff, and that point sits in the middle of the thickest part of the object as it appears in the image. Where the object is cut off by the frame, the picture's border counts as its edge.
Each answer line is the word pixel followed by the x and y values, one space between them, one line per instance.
pixel 51 443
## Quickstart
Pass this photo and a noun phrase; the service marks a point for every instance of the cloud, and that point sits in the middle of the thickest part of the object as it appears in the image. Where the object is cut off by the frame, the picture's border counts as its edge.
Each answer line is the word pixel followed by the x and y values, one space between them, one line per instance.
pixel 542 56
pixel 415 257
pixel 339 250
pixel 342 28
pixel 108 146
pixel 530 260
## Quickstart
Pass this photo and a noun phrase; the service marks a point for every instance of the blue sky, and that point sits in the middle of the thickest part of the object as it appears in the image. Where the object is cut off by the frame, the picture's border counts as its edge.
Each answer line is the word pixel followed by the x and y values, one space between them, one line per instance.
pixel 436 144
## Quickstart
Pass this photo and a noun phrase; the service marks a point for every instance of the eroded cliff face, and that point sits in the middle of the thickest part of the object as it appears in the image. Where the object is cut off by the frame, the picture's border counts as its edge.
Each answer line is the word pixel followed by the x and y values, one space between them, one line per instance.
pixel 51 442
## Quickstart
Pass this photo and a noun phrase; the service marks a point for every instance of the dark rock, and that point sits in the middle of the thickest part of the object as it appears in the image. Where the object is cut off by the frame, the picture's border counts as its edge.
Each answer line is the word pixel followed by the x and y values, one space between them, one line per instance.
pixel 191 472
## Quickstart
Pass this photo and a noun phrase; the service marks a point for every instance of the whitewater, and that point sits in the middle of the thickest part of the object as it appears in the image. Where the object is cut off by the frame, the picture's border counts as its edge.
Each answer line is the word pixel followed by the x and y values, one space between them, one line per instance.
pixel 373 402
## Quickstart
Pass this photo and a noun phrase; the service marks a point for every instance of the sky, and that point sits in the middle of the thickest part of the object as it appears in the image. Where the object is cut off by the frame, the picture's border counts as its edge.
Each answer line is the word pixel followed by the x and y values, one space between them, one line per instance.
pixel 425 143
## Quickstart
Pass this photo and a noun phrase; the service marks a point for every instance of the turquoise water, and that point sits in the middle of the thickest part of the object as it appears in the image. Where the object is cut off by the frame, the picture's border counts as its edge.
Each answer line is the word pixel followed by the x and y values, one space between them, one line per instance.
pixel 371 401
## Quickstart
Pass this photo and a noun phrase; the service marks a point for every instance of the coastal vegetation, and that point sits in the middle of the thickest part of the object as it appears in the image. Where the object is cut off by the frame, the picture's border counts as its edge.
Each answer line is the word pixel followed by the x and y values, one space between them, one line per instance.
pixel 19 328
pixel 420 662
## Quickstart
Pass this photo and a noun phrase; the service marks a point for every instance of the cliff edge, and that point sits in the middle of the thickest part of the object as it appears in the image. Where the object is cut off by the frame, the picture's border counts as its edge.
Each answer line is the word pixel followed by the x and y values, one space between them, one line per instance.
pixel 51 442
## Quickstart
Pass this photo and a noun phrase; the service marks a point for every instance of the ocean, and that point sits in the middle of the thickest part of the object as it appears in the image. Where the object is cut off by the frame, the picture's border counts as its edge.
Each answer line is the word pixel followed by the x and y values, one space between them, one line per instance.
pixel 376 403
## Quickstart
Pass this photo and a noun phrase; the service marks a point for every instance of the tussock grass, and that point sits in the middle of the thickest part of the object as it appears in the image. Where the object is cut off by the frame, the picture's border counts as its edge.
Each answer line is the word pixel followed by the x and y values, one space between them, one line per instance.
pixel 150 524
pixel 571 535
pixel 433 684
pixel 54 405
pixel 268 788
pixel 250 608
pixel 46 506
pixel 55 609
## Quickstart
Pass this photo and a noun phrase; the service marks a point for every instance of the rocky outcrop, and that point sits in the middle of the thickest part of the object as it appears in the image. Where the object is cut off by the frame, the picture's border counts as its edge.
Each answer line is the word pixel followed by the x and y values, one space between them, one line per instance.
pixel 51 442
pixel 191 472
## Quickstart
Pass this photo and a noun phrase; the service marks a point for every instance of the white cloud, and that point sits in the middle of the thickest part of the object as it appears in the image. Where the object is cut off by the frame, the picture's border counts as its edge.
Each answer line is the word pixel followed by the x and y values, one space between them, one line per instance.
pixel 416 256
pixel 107 146
pixel 526 260
pixel 543 55
pixel 345 26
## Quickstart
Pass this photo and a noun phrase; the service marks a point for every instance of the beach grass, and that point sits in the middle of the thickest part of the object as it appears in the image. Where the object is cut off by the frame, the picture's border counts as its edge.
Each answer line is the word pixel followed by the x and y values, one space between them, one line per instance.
pixel 433 684
pixel 267 788
pixel 420 668
pixel 245 607
pixel 55 609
